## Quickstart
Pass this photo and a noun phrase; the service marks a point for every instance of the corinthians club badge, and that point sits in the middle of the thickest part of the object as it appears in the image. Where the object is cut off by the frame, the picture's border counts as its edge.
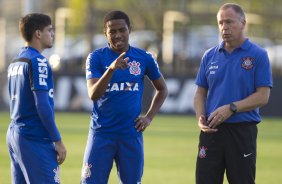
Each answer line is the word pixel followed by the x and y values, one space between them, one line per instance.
pixel 134 68
pixel 247 63
pixel 203 152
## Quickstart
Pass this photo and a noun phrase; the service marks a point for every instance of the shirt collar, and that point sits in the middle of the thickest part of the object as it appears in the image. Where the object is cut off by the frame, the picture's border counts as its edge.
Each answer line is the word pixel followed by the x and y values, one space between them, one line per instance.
pixel 30 48
pixel 244 46
pixel 109 46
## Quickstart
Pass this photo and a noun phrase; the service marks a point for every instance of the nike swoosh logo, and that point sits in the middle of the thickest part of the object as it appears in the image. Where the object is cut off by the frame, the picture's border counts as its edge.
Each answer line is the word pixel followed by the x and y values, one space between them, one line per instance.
pixel 246 155
pixel 213 62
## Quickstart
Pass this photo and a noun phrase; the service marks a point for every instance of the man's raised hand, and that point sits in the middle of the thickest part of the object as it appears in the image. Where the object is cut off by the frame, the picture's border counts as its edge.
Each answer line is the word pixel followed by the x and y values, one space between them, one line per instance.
pixel 119 62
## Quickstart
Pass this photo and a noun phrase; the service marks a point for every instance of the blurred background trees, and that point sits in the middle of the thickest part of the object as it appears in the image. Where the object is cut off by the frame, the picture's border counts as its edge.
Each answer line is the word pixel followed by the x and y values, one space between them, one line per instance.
pixel 176 32
pixel 178 40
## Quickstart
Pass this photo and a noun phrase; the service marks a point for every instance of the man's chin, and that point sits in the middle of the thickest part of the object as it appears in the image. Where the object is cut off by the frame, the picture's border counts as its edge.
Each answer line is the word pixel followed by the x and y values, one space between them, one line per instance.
pixel 49 46
pixel 119 48
pixel 227 39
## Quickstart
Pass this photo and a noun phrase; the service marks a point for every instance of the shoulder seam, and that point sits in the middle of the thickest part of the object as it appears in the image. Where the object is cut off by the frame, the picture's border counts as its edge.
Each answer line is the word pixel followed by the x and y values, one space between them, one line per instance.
pixel 21 60
pixel 25 60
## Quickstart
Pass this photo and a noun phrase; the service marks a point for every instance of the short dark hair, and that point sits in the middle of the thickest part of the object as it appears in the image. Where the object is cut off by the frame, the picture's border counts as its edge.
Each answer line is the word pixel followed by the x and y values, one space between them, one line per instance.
pixel 237 8
pixel 32 22
pixel 116 14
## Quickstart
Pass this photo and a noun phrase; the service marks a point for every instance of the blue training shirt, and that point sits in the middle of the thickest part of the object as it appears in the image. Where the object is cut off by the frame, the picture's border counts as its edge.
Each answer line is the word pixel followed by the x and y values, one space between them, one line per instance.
pixel 30 72
pixel 231 77
pixel 114 113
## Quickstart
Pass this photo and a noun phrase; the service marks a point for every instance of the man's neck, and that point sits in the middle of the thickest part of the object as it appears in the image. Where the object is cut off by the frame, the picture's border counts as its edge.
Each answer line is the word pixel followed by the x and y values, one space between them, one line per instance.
pixel 230 46
pixel 35 45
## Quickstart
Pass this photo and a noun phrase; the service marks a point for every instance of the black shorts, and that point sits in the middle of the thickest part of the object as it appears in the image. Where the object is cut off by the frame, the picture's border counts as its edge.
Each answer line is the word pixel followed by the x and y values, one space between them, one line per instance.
pixel 232 149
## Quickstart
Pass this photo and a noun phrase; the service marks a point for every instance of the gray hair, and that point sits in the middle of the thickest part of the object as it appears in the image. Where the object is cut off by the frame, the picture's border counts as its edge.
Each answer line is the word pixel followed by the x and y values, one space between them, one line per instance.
pixel 237 8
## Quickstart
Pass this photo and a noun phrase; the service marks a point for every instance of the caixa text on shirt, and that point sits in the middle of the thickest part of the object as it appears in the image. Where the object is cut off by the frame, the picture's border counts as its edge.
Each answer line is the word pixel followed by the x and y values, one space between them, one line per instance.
pixel 123 86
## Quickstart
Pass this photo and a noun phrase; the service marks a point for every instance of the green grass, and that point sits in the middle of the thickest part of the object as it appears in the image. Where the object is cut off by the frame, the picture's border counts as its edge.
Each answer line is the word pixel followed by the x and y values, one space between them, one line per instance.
pixel 170 149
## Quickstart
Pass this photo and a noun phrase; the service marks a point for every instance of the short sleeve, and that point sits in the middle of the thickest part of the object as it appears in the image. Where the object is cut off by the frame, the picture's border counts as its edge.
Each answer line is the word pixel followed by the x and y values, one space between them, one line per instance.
pixel 93 67
pixel 201 79
pixel 263 74
pixel 152 70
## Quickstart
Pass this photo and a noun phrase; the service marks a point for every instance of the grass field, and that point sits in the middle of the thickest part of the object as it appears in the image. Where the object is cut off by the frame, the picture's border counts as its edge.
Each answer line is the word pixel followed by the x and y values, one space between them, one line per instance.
pixel 170 149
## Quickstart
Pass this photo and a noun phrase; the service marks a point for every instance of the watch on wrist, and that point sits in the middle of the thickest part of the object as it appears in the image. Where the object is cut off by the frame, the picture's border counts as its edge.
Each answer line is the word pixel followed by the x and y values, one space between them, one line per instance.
pixel 233 108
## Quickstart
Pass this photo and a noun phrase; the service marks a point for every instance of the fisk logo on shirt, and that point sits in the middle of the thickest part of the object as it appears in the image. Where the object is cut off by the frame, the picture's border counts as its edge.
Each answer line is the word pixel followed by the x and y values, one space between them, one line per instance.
pixel 124 86
pixel 43 71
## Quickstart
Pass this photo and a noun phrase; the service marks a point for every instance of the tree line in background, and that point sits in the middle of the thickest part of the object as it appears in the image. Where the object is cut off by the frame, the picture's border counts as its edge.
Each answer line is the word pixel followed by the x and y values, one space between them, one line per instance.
pixel 263 18
pixel 85 20
pixel 148 14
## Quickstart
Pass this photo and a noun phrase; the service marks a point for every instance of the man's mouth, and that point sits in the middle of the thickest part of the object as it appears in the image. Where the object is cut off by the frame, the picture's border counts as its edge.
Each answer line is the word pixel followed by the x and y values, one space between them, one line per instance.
pixel 226 35
pixel 118 43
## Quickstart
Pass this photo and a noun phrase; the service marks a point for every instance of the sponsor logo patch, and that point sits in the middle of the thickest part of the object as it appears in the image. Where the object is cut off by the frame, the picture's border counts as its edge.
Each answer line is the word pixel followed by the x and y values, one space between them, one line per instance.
pixel 43 71
pixel 85 172
pixel 124 86
pixel 247 63
pixel 15 70
pixel 134 68
pixel 51 93
pixel 202 152
pixel 57 175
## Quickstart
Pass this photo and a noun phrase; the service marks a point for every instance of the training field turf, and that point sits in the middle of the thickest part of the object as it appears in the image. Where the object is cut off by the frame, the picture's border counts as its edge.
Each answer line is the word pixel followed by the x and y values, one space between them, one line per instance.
pixel 170 149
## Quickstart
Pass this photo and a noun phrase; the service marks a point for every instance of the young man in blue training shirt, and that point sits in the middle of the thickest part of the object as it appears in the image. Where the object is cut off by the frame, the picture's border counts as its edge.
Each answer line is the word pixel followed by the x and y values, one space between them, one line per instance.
pixel 234 80
pixel 115 83
pixel 35 145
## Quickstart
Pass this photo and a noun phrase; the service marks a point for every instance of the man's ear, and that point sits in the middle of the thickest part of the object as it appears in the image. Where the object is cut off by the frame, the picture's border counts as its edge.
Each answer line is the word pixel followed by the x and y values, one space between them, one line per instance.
pixel 37 33
pixel 243 22
pixel 129 30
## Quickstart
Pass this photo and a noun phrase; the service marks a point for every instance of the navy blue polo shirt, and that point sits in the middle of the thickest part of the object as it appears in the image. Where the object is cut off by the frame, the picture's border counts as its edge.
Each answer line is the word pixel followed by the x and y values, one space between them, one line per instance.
pixel 231 77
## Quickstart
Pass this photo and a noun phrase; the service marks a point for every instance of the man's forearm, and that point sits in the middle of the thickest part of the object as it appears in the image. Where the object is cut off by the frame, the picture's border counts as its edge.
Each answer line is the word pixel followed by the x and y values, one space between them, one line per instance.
pixel 98 88
pixel 255 100
pixel 156 104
